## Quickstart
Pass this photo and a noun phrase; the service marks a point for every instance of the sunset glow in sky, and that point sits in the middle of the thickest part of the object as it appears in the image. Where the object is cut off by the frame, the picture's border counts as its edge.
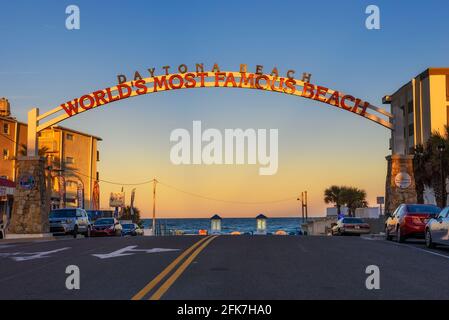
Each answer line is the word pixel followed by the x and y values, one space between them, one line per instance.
pixel 42 64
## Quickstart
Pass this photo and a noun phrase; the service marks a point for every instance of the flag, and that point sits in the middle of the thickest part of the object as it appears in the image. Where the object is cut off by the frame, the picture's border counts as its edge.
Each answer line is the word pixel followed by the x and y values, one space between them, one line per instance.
pixel 96 196
pixel 133 195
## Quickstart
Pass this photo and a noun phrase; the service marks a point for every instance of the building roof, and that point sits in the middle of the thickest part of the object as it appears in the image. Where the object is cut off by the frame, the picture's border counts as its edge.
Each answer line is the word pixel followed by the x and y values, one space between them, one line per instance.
pixel 425 74
pixel 261 216
pixel 216 217
pixel 77 132
pixel 12 119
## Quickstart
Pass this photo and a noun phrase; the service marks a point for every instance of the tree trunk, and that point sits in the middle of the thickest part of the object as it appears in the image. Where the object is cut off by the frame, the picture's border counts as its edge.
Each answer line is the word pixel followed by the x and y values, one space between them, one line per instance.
pixel 420 192
pixel 436 186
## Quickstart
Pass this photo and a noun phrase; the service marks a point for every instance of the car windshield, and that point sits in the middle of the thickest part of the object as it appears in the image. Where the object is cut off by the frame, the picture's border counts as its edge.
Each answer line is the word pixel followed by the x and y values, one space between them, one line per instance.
pixel 104 221
pixel 62 214
pixel 352 220
pixel 128 226
pixel 423 209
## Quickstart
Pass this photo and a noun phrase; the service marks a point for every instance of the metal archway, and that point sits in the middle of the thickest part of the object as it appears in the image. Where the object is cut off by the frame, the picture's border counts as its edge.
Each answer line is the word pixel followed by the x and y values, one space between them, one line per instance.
pixel 190 80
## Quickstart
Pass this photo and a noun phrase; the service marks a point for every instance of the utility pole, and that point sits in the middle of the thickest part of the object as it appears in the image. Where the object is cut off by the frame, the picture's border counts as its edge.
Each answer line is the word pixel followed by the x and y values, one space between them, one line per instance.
pixel 441 149
pixel 305 205
pixel 154 205
pixel 303 200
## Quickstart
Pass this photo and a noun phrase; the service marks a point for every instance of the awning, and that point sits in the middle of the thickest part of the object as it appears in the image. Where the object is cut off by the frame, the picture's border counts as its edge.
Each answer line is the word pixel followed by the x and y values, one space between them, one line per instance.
pixel 7 187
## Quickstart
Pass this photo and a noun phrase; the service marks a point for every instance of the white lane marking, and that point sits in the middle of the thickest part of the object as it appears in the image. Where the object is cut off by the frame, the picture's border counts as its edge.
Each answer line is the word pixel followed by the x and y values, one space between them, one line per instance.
pixel 6 246
pixel 425 250
pixel 413 247
pixel 26 256
pixel 130 250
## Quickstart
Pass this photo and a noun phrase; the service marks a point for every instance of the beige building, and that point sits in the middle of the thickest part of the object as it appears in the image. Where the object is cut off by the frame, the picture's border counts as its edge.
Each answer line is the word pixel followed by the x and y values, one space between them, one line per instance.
pixel 72 156
pixel 419 107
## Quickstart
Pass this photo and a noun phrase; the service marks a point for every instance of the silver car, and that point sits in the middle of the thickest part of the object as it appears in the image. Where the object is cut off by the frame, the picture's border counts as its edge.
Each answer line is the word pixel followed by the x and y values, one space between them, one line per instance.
pixel 437 229
pixel 350 226
pixel 71 221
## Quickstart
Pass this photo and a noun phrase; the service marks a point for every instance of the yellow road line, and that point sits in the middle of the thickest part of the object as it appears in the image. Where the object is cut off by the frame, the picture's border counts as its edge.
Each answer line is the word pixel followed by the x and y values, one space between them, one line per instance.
pixel 163 288
pixel 166 271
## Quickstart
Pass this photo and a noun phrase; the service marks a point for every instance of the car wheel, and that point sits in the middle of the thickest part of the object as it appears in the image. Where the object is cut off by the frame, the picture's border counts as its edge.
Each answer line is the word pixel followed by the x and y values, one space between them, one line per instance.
pixel 87 233
pixel 429 242
pixel 75 231
pixel 399 237
pixel 387 234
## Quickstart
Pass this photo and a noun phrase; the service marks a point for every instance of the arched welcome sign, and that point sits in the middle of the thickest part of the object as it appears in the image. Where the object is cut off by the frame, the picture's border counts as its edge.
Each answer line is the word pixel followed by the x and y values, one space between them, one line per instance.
pixel 190 80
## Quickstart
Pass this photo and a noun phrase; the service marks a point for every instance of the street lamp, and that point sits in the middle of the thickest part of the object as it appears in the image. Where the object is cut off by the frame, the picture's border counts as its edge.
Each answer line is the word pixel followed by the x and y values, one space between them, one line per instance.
pixel 441 149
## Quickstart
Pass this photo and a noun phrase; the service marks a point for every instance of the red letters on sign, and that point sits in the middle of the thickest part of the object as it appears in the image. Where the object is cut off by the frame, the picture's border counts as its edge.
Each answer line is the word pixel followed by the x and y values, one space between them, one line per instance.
pixel 70 108
pixel 308 91
pixel 186 79
pixel 321 94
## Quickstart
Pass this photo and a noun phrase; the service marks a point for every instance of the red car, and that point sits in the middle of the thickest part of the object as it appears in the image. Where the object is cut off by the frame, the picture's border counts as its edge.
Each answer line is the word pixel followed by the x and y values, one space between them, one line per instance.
pixel 409 221
pixel 106 227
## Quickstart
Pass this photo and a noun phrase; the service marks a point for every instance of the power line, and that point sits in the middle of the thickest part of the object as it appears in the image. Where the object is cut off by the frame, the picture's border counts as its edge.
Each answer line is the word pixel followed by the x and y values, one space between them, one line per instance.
pixel 226 201
pixel 111 182
pixel 190 193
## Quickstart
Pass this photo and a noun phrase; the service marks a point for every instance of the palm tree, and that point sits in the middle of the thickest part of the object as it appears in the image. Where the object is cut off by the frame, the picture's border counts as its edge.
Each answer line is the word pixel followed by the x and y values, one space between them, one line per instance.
pixel 432 166
pixel 354 198
pixel 126 215
pixel 421 171
pixel 427 165
pixel 23 150
pixel 334 194
pixel 351 197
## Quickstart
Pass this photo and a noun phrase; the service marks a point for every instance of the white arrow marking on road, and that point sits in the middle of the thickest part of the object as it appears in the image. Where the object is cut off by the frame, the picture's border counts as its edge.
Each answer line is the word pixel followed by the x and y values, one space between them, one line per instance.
pixel 127 251
pixel 25 256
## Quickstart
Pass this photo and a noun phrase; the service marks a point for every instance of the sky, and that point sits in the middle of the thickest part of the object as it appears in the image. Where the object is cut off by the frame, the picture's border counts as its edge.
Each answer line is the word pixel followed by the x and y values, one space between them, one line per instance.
pixel 42 64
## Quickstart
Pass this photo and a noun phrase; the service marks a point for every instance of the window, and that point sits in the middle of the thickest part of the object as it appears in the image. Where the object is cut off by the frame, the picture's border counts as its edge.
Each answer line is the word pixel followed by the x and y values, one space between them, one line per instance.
pixel 70 184
pixel 5 154
pixel 98 176
pixel 411 129
pixel 69 160
pixel 98 155
pixel 5 128
pixel 410 107
pixel 69 137
pixel 443 214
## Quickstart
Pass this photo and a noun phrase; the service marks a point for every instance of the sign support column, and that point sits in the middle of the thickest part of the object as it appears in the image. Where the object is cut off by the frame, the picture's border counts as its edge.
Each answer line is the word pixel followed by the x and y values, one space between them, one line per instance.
pixel 32 144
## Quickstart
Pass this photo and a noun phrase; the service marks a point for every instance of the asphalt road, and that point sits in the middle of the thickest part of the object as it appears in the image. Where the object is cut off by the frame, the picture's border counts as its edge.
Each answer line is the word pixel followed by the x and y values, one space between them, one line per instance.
pixel 223 267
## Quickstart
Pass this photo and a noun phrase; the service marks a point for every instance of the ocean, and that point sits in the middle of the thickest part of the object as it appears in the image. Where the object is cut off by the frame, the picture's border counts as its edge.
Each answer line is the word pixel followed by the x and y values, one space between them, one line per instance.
pixel 228 225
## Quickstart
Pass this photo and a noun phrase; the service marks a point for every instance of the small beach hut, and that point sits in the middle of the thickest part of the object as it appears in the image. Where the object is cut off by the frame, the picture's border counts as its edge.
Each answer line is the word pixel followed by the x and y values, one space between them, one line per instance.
pixel 215 224
pixel 261 224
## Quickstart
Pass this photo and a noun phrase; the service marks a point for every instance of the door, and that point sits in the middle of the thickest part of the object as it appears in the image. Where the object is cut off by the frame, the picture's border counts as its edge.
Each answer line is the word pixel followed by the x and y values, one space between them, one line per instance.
pixel 442 227
pixel 393 221
pixel 82 219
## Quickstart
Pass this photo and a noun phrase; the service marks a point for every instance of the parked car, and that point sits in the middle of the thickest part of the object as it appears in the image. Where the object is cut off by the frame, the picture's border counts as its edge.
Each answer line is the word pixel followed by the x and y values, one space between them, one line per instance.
pixel 106 227
pixel 72 221
pixel 409 221
pixel 437 229
pixel 131 229
pixel 350 226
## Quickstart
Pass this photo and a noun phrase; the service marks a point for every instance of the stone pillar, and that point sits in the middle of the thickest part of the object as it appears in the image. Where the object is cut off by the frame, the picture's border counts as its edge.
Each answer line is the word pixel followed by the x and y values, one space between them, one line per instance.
pixel 400 184
pixel 31 200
